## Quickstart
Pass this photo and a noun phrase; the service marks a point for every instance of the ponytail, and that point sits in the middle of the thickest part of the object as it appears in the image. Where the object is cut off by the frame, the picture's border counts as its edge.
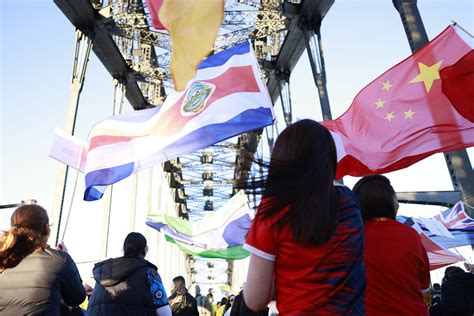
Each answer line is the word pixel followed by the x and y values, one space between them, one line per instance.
pixel 29 232
pixel 17 243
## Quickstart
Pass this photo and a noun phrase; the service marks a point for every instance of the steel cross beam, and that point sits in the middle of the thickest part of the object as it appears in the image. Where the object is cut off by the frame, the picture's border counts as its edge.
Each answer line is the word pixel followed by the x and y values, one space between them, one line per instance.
pixel 458 163
pixel 297 15
pixel 85 18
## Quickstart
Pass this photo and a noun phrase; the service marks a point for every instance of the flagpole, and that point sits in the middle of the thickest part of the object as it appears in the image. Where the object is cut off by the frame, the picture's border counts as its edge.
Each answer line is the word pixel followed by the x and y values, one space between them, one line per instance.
pixel 461 28
pixel 70 206
pixel 78 167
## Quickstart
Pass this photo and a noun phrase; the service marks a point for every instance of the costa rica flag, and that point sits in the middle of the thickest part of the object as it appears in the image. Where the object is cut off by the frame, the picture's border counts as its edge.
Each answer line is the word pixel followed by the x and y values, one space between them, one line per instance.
pixel 227 97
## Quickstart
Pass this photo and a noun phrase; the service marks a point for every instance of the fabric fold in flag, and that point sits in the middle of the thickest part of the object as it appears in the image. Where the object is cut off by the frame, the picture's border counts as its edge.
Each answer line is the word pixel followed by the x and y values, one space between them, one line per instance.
pixel 219 234
pixel 406 115
pixel 193 25
pixel 226 98
pixel 437 255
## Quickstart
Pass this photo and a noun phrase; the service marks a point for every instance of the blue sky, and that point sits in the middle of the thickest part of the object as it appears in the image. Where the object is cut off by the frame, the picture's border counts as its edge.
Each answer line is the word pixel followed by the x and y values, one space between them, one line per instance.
pixel 361 40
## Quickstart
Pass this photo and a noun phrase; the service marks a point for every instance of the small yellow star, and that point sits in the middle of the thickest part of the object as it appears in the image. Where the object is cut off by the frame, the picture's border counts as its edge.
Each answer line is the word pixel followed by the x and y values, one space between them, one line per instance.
pixel 409 114
pixel 386 85
pixel 427 74
pixel 389 117
pixel 379 104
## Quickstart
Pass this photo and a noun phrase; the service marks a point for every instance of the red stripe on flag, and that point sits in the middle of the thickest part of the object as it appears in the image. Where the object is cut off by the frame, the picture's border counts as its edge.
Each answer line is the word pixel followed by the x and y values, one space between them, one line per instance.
pixel 437 255
pixel 234 80
pixel 102 140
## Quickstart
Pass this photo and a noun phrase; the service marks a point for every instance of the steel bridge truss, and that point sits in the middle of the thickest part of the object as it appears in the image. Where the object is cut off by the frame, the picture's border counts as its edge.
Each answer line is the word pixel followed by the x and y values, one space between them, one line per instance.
pixel 138 57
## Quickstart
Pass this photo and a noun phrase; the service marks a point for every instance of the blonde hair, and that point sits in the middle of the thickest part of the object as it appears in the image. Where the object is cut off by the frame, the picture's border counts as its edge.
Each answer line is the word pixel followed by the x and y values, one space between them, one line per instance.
pixel 29 231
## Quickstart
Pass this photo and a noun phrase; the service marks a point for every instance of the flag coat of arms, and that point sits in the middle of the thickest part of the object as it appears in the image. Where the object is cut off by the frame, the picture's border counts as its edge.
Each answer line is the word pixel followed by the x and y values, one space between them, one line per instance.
pixel 226 98
pixel 411 111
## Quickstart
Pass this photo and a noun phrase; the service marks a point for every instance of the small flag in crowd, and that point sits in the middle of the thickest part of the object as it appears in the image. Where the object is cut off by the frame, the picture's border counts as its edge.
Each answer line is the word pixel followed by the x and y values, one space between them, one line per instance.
pixel 69 150
pixel 226 98
pixel 193 26
pixel 456 221
pixel 219 234
pixel 419 107
pixel 438 256
pixel 456 218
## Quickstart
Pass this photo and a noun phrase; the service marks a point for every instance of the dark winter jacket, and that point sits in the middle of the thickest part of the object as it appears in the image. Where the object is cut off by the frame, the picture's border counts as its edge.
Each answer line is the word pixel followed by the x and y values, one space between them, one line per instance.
pixel 239 308
pixel 38 283
pixel 183 305
pixel 457 296
pixel 121 288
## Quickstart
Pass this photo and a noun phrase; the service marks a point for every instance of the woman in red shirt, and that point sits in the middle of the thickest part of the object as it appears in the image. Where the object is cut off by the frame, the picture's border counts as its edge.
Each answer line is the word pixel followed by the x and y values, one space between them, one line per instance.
pixel 306 242
pixel 397 266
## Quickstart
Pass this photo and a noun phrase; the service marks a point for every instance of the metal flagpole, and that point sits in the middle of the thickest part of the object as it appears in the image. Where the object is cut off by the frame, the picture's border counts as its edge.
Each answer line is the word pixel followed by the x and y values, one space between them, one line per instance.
pixel 82 51
pixel 70 207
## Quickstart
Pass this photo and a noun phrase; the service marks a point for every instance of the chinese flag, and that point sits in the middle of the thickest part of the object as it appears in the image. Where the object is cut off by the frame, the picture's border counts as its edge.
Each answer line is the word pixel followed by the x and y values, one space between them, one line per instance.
pixel 193 25
pixel 404 115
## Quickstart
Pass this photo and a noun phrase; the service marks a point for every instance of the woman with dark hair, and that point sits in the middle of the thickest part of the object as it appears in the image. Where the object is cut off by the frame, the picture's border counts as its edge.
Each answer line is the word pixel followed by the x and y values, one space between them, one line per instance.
pixel 129 285
pixel 307 237
pixel 396 263
pixel 182 303
pixel 34 278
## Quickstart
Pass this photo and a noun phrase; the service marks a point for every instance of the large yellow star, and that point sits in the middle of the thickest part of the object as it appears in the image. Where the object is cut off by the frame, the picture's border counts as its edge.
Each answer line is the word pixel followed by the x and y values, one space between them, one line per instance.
pixel 379 103
pixel 427 74
pixel 409 114
pixel 389 117
pixel 386 85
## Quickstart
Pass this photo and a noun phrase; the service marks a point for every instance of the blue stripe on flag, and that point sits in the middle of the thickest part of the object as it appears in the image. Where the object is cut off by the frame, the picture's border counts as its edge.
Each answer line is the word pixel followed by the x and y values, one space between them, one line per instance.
pixel 208 135
pixel 221 58
pixel 94 193
pixel 105 177
pixel 205 136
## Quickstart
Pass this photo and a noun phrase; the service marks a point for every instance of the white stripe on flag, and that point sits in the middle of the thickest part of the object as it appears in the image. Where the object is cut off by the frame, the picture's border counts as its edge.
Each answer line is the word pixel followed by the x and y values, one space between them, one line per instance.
pixel 141 147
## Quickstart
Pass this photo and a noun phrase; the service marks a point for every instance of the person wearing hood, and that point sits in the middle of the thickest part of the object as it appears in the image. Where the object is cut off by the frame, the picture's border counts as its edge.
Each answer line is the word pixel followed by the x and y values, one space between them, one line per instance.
pixel 129 285
pixel 457 294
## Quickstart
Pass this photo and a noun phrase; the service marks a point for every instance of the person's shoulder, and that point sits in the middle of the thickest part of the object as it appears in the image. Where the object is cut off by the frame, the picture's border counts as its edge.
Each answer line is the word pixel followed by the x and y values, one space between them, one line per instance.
pixel 151 265
pixel 347 198
pixel 344 191
pixel 405 230
pixel 190 297
pixel 58 255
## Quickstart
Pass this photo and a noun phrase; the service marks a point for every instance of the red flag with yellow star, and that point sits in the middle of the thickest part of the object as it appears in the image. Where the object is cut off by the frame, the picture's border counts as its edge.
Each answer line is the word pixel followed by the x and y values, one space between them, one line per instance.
pixel 404 116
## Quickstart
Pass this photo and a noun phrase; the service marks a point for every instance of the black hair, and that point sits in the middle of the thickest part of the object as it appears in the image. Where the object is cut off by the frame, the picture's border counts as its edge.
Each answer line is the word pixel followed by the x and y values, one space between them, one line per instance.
pixel 376 196
pixel 300 179
pixel 134 245
pixel 450 271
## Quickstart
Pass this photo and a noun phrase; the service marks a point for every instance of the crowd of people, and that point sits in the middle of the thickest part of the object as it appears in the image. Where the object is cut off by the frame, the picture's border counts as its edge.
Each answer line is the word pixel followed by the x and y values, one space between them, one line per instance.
pixel 316 248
